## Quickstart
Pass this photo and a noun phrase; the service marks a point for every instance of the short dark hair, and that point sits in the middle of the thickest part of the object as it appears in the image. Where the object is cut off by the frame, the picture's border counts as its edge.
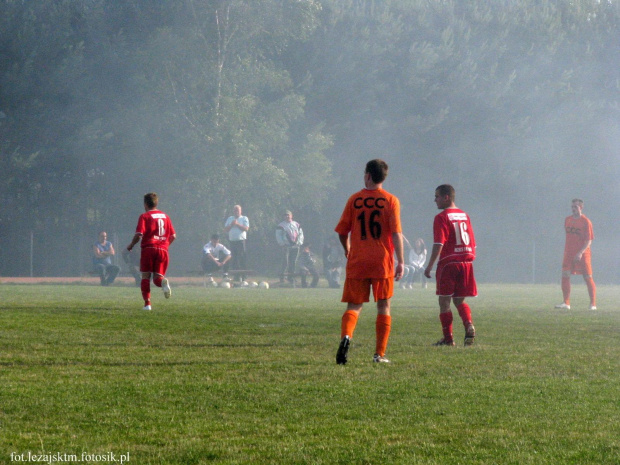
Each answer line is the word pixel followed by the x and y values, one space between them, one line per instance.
pixel 378 170
pixel 151 199
pixel 447 189
pixel 579 201
pixel 215 237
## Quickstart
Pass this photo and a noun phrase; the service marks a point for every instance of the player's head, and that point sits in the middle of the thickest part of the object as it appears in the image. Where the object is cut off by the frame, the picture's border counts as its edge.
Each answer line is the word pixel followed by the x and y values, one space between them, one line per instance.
pixel 377 169
pixel 288 215
pixel 215 238
pixel 577 206
pixel 445 195
pixel 103 236
pixel 237 210
pixel 578 202
pixel 151 200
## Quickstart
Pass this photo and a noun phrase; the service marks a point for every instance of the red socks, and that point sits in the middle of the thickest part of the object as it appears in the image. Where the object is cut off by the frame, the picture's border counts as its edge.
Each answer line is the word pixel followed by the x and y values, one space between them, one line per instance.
pixel 465 314
pixel 446 325
pixel 145 287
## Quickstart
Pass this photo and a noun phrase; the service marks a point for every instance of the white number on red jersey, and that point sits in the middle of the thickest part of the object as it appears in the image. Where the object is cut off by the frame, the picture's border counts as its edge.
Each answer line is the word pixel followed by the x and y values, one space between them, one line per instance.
pixel 460 230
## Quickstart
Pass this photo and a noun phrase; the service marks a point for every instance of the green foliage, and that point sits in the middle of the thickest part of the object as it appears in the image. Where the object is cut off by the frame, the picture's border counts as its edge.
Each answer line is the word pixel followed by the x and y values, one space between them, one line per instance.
pixel 267 103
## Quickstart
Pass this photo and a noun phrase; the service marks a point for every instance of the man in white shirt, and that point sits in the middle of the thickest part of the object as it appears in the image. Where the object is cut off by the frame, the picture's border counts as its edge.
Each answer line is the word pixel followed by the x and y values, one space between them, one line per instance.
pixel 290 238
pixel 215 256
pixel 237 227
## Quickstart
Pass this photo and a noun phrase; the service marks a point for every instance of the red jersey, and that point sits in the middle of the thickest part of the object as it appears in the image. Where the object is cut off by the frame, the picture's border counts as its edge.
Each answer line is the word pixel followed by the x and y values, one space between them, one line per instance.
pixel 453 230
pixel 155 228
pixel 371 216
pixel 578 232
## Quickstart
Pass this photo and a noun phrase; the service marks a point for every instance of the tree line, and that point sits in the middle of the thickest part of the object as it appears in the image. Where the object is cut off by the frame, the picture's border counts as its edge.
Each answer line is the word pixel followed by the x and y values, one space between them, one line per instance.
pixel 272 103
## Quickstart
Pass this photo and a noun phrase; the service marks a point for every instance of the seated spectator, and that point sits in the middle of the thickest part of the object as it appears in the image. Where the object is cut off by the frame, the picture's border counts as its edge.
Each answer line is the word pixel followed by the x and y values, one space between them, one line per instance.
pixel 416 261
pixel 333 261
pixel 215 256
pixel 132 259
pixel 307 266
pixel 103 251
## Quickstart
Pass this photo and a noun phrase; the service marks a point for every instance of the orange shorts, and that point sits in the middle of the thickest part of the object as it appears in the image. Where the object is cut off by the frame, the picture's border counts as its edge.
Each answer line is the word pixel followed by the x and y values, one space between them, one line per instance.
pixel 357 291
pixel 583 266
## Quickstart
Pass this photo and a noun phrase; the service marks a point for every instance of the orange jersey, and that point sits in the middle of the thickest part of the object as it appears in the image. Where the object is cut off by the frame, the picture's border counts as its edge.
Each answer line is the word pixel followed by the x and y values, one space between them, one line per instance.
pixel 370 217
pixel 578 232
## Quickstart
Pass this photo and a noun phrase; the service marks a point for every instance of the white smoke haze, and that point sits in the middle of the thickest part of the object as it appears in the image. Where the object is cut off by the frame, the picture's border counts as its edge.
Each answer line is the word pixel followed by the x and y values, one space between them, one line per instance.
pixel 278 104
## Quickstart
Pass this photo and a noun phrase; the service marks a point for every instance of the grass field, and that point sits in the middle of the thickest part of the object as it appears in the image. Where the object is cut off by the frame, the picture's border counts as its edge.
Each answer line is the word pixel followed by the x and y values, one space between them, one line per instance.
pixel 249 376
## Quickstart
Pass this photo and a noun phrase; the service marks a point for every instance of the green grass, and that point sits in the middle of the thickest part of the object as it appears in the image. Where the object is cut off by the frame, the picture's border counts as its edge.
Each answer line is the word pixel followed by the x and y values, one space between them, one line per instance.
pixel 249 376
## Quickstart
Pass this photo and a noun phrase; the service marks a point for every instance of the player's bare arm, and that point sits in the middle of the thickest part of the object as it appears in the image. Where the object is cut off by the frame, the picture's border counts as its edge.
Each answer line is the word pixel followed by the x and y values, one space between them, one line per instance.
pixel 134 241
pixel 344 240
pixel 397 239
pixel 431 262
pixel 583 249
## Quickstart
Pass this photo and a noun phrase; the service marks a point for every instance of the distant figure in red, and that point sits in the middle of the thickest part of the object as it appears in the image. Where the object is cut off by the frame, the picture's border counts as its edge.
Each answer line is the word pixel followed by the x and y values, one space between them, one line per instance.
pixel 455 247
pixel 157 233
pixel 577 255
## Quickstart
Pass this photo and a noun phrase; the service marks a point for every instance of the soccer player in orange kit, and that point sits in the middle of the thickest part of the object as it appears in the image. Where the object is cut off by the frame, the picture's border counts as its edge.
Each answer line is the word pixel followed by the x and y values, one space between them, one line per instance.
pixel 577 254
pixel 370 232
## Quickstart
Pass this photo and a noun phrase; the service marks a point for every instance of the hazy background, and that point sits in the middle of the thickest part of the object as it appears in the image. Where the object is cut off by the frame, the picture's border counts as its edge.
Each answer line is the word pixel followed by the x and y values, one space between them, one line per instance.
pixel 278 104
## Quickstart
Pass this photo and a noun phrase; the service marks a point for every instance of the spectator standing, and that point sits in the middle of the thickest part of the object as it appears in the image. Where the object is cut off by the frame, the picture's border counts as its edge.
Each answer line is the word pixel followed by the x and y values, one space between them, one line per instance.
pixel 290 238
pixel 237 227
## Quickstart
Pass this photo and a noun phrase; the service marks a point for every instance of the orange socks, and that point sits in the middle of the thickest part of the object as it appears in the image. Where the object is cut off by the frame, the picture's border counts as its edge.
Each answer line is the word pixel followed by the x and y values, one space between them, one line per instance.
pixel 591 291
pixel 349 321
pixel 383 326
pixel 566 289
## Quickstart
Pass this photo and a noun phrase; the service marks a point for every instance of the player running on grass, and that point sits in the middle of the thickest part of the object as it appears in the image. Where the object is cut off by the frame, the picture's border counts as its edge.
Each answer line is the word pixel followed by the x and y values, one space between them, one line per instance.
pixel 370 232
pixel 455 246
pixel 157 233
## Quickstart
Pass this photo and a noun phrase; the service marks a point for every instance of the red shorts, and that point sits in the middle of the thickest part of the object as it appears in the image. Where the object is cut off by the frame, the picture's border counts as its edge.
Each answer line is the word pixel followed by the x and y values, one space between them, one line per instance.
pixel 583 266
pixel 154 260
pixel 456 279
pixel 357 291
